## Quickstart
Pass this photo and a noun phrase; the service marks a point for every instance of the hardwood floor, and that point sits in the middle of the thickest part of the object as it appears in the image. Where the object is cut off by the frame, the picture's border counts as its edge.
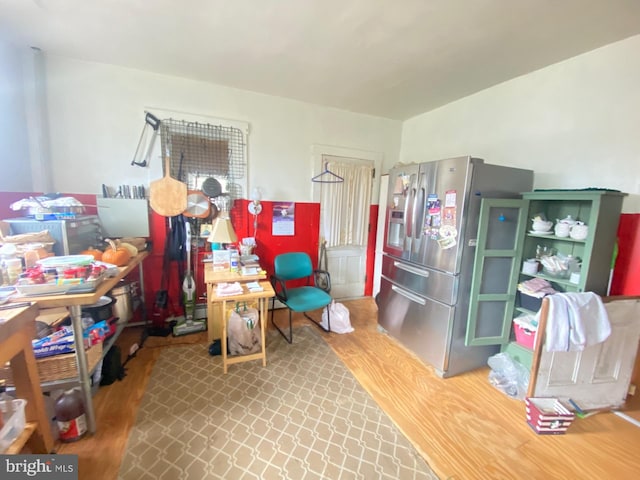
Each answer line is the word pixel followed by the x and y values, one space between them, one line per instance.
pixel 463 426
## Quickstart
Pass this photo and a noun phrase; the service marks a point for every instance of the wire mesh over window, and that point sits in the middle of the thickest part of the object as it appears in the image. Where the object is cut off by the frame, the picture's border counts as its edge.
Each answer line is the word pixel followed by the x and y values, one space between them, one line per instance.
pixel 200 150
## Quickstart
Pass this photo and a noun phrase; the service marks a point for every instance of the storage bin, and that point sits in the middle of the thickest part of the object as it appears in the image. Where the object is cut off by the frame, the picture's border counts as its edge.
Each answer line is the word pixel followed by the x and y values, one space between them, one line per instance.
pixel 525 330
pixel 13 424
pixel 548 416
pixel 59 367
pixel 529 302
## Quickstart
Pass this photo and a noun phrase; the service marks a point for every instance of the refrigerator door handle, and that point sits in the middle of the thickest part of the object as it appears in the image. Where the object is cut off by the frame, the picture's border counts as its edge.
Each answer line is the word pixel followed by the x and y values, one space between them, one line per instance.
pixel 409 295
pixel 409 209
pixel 410 269
pixel 417 215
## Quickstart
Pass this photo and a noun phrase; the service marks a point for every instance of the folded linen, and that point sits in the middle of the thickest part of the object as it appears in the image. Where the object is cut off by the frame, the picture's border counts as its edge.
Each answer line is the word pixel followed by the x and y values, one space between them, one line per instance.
pixel 536 287
pixel 227 289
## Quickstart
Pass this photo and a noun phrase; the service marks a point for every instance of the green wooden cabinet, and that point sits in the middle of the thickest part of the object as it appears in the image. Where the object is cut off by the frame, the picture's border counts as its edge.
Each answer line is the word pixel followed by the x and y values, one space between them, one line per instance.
pixel 505 240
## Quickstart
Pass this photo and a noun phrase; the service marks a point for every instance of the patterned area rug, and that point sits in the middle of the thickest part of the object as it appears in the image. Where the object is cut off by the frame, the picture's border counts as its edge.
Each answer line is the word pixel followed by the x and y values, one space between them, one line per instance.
pixel 303 416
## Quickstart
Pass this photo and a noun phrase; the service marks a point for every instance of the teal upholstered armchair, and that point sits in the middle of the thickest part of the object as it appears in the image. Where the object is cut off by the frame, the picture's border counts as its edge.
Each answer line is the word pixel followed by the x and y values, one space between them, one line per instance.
pixel 300 287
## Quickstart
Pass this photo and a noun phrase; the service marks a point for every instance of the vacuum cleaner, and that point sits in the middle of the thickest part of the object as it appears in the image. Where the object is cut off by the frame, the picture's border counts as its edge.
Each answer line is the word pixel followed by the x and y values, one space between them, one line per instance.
pixel 188 324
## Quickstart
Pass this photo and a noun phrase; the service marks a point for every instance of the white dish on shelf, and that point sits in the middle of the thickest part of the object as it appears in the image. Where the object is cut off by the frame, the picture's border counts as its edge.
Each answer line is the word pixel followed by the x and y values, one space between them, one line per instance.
pixel 539 232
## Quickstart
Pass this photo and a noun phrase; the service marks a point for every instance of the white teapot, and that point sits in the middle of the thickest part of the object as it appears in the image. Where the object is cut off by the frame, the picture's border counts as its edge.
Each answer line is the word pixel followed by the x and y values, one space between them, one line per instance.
pixel 569 220
pixel 579 231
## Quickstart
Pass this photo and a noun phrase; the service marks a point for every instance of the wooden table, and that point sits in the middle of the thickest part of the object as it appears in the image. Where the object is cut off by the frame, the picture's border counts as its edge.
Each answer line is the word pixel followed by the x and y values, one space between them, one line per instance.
pixel 16 332
pixel 245 296
pixel 74 302
pixel 214 309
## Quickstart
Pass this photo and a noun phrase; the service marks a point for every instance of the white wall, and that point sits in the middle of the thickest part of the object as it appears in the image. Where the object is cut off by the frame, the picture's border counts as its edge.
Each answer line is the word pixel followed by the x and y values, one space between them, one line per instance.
pixel 575 123
pixel 15 170
pixel 96 115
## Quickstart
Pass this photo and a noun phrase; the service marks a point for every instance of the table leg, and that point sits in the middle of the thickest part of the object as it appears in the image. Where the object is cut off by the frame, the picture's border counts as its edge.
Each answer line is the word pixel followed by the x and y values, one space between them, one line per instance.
pixel 224 337
pixel 27 384
pixel 263 329
pixel 83 367
pixel 210 313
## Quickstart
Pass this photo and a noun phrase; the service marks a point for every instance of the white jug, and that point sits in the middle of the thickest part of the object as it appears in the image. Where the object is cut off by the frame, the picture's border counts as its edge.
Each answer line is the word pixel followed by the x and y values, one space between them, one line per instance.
pixel 562 229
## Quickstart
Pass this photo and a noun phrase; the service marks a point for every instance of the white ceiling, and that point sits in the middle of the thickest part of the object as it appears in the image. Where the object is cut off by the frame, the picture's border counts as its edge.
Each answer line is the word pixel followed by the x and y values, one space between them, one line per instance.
pixel 387 58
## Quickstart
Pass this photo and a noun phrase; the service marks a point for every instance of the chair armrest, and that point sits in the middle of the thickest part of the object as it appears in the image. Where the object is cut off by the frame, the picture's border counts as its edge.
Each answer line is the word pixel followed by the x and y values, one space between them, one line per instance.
pixel 322 280
pixel 279 287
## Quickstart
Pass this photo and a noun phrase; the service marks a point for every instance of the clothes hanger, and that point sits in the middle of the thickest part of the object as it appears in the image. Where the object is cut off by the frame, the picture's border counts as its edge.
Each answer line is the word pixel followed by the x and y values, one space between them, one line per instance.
pixel 327 176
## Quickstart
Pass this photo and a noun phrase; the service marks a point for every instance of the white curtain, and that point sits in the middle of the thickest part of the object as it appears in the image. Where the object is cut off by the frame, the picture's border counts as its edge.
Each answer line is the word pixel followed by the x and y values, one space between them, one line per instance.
pixel 344 206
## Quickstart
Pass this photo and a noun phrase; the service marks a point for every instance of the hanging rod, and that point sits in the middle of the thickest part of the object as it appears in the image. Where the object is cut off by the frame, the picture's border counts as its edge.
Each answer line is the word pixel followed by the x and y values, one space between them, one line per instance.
pixel 327 176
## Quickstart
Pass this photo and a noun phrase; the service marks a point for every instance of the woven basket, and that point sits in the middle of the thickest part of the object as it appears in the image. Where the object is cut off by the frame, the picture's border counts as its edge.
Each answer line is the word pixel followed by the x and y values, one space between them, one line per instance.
pixel 59 367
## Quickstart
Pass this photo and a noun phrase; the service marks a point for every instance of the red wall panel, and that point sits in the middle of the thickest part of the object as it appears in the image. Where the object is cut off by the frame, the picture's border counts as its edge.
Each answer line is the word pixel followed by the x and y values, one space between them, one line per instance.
pixel 626 274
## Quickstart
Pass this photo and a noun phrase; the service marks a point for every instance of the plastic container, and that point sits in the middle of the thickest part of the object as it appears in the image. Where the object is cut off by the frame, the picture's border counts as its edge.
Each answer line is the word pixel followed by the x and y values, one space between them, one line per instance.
pixel 32 253
pixel 234 260
pixel 528 302
pixel 525 330
pixel 14 269
pixel 70 416
pixel 14 421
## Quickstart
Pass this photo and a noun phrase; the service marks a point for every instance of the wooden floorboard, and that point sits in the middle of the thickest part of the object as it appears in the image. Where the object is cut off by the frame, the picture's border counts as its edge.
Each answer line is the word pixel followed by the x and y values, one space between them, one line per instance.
pixel 463 426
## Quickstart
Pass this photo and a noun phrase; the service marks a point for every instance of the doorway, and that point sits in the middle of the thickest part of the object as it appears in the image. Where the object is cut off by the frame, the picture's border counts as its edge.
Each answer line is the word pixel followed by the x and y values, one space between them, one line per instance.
pixel 344 222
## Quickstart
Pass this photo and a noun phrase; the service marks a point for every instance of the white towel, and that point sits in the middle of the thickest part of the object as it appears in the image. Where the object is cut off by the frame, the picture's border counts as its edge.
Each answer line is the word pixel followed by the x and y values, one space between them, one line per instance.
pixel 228 289
pixel 575 321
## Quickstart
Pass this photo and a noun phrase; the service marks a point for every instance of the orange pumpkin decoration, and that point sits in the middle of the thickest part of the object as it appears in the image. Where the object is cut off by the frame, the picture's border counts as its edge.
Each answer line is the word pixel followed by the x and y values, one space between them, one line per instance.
pixel 94 252
pixel 116 255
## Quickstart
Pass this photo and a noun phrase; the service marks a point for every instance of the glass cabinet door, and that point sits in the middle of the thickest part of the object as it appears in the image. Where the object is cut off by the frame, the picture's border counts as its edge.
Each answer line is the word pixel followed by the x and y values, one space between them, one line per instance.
pixel 501 232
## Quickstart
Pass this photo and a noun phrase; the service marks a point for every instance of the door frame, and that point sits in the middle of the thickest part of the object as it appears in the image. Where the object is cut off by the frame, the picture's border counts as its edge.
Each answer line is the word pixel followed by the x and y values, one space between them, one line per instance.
pixel 317 158
pixel 317 166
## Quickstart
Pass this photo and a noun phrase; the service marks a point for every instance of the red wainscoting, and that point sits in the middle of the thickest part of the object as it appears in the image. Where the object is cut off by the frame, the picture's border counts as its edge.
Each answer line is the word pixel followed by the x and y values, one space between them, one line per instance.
pixel 626 278
pixel 626 274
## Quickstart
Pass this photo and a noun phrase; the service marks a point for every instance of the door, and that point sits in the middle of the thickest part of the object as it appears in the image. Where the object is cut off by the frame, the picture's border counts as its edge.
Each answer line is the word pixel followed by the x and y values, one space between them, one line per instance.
pixel 344 223
pixel 399 206
pixel 598 376
pixel 501 232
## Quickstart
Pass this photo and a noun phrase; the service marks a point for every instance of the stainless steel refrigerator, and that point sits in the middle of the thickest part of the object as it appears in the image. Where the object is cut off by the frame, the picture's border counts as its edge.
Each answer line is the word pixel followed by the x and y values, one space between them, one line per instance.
pixel 429 248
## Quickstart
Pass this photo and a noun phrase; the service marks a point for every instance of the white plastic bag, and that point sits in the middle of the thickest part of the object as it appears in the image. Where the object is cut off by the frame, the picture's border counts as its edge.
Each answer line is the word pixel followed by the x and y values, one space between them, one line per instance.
pixel 338 316
pixel 243 331
pixel 508 375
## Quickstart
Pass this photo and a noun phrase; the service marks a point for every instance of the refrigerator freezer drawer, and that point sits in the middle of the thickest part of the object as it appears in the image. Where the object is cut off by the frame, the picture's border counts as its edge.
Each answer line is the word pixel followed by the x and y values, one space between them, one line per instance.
pixel 440 286
pixel 422 325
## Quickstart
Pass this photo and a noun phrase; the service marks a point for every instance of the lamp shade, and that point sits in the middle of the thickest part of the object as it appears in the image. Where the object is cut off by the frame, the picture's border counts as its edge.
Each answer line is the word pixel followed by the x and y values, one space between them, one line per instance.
pixel 222 231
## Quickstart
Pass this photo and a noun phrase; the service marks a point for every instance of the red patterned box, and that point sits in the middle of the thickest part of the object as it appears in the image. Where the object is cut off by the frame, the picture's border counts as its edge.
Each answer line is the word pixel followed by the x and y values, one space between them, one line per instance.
pixel 548 416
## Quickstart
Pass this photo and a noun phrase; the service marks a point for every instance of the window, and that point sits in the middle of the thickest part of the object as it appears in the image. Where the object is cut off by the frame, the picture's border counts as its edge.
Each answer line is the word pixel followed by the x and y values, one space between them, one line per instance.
pixel 198 151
